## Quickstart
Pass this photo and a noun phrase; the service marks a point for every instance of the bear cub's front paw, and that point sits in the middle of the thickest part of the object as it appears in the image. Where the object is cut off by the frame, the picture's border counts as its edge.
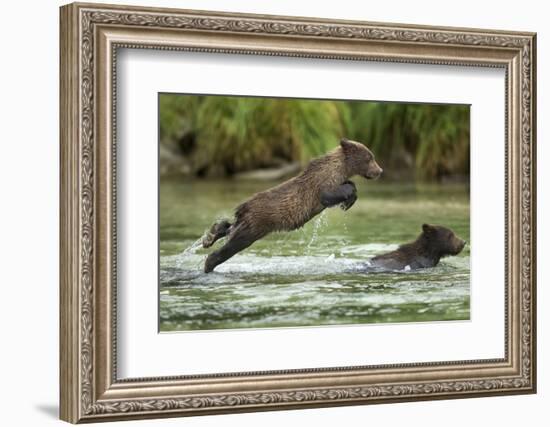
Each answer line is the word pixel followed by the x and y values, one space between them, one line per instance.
pixel 351 198
pixel 348 203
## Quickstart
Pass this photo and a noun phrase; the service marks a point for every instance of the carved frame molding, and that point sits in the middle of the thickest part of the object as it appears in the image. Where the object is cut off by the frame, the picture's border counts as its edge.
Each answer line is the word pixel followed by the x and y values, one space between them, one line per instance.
pixel 90 37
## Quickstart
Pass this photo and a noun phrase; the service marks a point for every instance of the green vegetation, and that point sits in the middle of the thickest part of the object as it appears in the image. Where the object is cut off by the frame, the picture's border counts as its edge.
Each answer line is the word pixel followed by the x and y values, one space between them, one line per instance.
pixel 222 135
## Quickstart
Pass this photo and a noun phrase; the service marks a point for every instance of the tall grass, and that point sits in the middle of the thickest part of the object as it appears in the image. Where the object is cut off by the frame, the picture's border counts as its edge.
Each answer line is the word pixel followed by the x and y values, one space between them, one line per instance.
pixel 433 139
pixel 222 135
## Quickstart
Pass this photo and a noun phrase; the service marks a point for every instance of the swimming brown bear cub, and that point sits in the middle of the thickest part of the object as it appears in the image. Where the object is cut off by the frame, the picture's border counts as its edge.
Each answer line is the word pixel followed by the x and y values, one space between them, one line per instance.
pixel 324 183
pixel 434 243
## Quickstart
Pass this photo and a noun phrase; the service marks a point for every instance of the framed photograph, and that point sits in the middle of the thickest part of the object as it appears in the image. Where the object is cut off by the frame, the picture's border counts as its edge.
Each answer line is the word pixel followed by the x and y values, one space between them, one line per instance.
pixel 266 212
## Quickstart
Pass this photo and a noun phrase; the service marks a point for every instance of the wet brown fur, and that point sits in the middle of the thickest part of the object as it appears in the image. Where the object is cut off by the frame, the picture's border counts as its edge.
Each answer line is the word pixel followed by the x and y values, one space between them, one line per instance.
pixel 434 243
pixel 291 204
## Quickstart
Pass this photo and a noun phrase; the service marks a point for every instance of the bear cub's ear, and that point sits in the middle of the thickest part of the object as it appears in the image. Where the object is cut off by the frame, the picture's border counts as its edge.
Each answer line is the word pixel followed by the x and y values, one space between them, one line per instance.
pixel 427 228
pixel 346 143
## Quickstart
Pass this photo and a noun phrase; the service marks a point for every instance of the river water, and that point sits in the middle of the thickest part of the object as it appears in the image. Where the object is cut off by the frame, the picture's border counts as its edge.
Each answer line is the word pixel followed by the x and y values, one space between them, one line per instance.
pixel 312 276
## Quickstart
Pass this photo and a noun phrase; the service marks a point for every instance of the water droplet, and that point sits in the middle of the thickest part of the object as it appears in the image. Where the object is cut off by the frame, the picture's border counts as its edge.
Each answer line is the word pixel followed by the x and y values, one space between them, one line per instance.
pixel 318 224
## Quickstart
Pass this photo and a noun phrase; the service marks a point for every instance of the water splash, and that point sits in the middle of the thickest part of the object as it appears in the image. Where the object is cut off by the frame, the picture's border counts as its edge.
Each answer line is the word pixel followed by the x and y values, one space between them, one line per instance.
pixel 190 251
pixel 318 224
pixel 345 227
pixel 197 244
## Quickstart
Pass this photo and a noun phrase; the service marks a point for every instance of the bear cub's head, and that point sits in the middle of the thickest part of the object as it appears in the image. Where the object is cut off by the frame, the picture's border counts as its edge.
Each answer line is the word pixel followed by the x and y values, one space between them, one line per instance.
pixel 359 160
pixel 442 240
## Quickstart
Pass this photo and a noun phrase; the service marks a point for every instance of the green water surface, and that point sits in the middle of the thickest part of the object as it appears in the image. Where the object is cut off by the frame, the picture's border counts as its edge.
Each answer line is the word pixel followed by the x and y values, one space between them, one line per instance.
pixel 313 276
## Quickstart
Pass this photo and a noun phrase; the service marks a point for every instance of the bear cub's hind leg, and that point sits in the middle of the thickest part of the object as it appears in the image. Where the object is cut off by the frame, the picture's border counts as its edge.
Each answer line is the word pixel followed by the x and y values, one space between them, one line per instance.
pixel 217 231
pixel 238 241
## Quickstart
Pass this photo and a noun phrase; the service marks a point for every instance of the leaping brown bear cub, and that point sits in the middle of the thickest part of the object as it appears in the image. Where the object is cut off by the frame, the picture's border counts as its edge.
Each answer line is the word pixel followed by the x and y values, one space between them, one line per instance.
pixel 434 243
pixel 324 183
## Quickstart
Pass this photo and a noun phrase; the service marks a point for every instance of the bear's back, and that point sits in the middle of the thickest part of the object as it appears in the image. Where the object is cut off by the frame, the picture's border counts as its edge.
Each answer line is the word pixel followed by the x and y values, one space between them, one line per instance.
pixel 291 204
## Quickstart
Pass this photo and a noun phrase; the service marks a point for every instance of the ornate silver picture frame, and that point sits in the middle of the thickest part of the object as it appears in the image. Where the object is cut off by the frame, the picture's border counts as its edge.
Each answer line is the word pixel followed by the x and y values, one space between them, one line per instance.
pixel 90 36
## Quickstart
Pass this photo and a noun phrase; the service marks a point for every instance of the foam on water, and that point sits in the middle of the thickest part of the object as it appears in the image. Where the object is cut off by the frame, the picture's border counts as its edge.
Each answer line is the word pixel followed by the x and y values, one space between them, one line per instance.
pixel 253 290
pixel 347 259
